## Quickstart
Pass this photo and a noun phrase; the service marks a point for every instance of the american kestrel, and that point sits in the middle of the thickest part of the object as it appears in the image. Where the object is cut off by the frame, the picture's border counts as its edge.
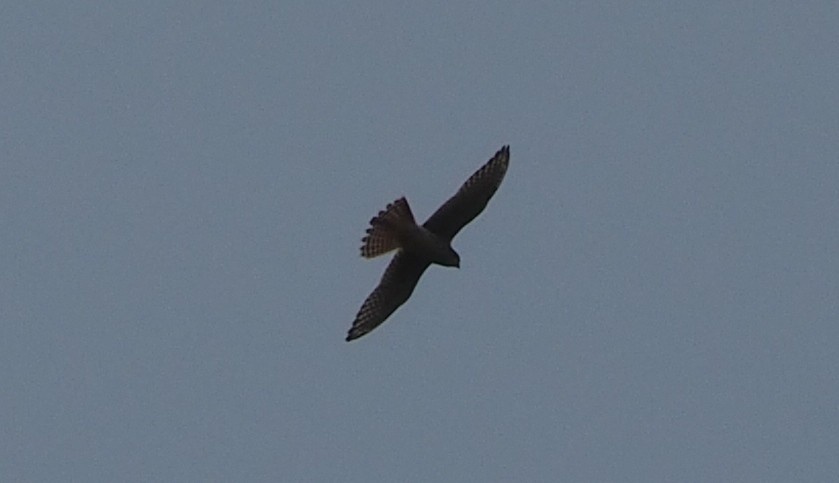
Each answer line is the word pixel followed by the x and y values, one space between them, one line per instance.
pixel 419 246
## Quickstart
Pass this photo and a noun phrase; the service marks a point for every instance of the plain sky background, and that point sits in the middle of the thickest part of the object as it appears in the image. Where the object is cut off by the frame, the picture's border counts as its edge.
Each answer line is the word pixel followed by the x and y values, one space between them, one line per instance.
pixel 650 296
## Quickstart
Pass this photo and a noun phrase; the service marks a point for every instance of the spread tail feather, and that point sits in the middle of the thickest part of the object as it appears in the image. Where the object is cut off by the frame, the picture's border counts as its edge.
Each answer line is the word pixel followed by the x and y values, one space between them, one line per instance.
pixel 383 234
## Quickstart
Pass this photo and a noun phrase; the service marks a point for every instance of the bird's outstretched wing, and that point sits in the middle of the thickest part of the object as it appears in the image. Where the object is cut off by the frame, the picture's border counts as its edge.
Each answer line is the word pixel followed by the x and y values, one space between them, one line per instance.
pixel 471 199
pixel 397 284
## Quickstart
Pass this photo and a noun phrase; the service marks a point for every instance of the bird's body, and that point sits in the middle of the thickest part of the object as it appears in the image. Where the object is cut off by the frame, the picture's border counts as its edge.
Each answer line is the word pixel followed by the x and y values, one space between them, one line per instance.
pixel 421 242
pixel 419 246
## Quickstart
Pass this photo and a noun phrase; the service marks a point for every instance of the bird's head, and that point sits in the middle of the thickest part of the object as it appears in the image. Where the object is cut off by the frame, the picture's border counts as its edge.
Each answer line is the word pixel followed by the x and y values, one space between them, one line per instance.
pixel 452 259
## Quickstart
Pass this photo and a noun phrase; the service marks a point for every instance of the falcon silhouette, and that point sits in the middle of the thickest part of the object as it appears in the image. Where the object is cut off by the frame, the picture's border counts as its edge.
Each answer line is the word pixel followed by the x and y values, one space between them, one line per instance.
pixel 419 246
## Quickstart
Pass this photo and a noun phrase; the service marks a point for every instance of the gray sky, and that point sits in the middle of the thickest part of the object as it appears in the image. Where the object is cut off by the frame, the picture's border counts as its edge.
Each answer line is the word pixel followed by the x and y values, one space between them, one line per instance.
pixel 650 296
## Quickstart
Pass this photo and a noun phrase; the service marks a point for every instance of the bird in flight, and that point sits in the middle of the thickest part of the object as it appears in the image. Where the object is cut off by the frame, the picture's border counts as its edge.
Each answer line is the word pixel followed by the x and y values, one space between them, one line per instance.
pixel 419 246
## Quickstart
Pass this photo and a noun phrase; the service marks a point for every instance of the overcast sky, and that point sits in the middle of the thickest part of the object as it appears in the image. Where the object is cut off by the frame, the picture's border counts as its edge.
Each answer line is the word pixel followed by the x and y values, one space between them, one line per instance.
pixel 651 295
